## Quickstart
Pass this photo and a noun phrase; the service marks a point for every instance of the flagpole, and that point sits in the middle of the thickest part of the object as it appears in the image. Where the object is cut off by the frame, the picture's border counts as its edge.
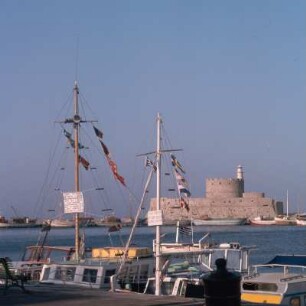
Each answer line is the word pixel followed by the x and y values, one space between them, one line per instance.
pixel 177 231
pixel 158 176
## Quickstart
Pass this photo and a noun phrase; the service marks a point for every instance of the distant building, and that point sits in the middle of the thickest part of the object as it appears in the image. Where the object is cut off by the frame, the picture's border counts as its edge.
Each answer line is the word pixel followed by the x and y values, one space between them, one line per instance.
pixel 225 198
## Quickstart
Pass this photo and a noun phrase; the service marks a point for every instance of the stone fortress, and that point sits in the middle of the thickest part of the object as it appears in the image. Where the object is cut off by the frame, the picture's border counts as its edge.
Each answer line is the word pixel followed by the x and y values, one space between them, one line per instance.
pixel 225 198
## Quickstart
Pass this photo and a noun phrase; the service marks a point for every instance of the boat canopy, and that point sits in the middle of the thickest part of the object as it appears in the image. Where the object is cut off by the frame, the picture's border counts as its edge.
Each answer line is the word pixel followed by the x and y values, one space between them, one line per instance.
pixel 290 260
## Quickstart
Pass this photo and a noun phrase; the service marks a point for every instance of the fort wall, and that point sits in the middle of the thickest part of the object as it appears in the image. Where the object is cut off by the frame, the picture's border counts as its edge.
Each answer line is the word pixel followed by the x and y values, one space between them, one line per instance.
pixel 224 188
pixel 225 198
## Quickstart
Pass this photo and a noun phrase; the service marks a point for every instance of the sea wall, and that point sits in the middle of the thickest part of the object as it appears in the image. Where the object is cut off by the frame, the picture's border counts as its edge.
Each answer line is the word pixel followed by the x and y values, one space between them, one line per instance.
pixel 225 198
pixel 217 208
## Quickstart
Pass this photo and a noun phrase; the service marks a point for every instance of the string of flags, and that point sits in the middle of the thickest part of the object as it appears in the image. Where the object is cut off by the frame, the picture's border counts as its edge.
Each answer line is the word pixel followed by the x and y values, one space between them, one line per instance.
pixel 111 163
pixel 150 163
pixel 181 182
pixel 176 164
pixel 71 141
pixel 84 162
pixel 185 230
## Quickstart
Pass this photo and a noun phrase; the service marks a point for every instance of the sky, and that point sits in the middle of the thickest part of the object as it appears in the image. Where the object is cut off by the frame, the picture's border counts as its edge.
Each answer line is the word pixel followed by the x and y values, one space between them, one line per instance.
pixel 227 77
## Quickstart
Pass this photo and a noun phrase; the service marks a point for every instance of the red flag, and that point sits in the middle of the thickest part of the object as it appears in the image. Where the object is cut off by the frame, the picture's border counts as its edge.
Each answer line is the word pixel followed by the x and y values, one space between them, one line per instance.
pixel 184 204
pixel 111 163
pixel 115 171
pixel 84 162
pixel 104 147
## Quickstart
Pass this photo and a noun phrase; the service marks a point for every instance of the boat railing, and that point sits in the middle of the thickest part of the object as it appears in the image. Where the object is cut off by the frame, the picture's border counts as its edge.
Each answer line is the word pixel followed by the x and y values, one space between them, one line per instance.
pixel 201 244
pixel 287 279
pixel 300 271
pixel 251 275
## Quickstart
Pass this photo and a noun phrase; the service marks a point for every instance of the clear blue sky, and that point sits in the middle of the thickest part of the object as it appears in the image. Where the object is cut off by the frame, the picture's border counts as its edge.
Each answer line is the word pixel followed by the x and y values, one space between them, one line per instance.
pixel 228 77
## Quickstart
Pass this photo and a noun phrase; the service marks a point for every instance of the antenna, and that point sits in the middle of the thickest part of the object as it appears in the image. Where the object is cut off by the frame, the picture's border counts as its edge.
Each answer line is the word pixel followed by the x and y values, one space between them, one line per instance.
pixel 77 58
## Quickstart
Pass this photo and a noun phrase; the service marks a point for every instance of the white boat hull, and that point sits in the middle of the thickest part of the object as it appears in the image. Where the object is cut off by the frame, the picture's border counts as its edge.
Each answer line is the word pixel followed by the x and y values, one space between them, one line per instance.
pixel 235 221
pixel 301 222
pixel 62 223
pixel 19 225
pixel 261 221
pixel 285 222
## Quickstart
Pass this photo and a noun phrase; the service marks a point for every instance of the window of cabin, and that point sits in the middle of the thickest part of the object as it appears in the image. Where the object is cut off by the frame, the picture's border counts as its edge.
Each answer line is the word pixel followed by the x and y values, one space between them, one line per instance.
pixel 90 275
pixel 295 301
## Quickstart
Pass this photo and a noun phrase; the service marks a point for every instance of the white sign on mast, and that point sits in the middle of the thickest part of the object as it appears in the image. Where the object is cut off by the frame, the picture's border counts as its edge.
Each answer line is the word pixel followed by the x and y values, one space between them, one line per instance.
pixel 73 202
pixel 155 217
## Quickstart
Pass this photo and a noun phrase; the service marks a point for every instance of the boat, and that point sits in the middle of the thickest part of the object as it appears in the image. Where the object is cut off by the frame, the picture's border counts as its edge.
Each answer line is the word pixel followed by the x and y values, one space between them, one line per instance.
pixel 179 265
pixel 220 221
pixel 185 264
pixel 301 219
pixel 280 281
pixel 62 223
pixel 96 271
pixel 108 221
pixel 285 219
pixel 184 278
pixel 131 265
pixel 301 222
pixel 261 220
pixel 69 223
pixel 35 256
pixel 19 222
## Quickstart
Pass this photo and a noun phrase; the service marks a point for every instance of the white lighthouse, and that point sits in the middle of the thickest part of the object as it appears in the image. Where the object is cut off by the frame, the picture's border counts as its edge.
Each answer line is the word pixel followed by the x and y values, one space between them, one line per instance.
pixel 239 173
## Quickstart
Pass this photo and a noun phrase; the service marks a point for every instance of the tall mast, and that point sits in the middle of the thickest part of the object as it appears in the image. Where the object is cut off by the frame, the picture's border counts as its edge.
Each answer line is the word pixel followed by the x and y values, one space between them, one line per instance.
pixel 76 121
pixel 287 210
pixel 158 165
pixel 76 127
pixel 158 213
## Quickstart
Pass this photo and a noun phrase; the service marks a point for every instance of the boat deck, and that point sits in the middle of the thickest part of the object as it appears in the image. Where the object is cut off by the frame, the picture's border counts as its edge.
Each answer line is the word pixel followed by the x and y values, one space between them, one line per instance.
pixel 49 295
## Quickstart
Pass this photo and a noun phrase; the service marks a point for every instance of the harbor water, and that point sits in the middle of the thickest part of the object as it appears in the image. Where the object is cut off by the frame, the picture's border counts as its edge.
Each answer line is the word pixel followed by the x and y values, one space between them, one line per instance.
pixel 269 241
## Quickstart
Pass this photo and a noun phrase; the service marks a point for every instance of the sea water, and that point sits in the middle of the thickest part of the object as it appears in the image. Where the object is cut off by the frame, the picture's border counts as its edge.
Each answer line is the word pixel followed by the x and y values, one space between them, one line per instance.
pixel 269 240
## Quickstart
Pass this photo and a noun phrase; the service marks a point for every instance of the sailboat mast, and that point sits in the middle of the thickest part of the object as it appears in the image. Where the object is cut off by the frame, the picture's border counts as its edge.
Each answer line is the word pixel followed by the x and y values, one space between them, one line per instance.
pixel 158 177
pixel 76 127
pixel 287 203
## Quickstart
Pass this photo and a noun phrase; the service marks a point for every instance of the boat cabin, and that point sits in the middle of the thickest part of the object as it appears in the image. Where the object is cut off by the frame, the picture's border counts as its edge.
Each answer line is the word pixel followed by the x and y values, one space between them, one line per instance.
pixel 183 270
pixel 36 256
pixel 280 281
pixel 96 271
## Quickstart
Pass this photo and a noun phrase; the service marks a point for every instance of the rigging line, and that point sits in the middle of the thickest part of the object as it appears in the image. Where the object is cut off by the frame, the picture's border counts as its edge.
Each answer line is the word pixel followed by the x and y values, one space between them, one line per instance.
pixel 166 137
pixel 61 164
pixel 82 107
pixel 103 196
pixel 60 177
pixel 128 243
pixel 147 141
pixel 40 198
pixel 167 164
pixel 134 185
pixel 90 138
pixel 65 107
pixel 85 102
pixel 132 194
